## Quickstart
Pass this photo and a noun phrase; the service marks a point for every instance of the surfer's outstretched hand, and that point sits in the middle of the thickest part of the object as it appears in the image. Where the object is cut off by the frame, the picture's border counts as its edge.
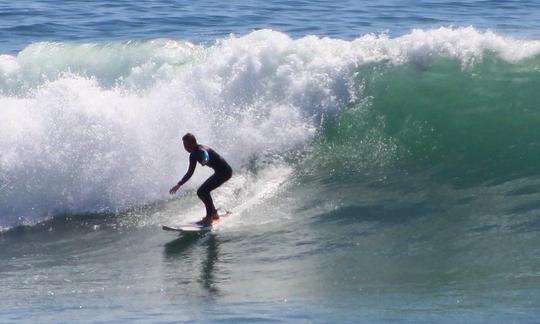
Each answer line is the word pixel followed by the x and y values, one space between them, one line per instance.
pixel 174 189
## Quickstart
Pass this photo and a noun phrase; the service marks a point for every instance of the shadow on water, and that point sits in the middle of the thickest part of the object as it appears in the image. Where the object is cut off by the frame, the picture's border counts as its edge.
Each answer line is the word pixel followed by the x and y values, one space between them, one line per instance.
pixel 209 264
pixel 182 247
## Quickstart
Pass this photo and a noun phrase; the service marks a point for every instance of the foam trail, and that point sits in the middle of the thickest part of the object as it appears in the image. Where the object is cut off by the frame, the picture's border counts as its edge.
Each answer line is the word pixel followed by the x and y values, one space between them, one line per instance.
pixel 96 127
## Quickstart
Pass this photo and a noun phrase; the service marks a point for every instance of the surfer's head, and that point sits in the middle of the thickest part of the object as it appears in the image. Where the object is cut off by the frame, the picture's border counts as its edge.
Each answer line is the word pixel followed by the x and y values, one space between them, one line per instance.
pixel 190 142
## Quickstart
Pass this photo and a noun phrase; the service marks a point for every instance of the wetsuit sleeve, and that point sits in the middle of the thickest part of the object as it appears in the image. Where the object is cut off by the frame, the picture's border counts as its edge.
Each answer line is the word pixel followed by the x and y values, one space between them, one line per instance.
pixel 191 169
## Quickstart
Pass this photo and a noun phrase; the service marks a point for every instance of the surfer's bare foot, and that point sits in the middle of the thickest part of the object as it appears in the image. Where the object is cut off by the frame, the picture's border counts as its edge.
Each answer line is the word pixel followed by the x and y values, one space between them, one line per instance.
pixel 207 221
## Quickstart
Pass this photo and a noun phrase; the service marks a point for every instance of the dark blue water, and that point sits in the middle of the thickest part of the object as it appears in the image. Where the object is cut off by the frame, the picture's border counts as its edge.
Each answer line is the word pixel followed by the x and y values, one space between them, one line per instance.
pixel 392 176
pixel 25 22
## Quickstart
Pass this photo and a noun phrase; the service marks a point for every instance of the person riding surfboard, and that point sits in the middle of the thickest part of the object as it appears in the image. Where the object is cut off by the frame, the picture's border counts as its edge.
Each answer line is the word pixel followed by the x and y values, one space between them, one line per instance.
pixel 206 156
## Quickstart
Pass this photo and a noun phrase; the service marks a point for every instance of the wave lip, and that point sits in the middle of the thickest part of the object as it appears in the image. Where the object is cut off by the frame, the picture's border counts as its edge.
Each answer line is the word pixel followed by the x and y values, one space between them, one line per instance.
pixel 136 63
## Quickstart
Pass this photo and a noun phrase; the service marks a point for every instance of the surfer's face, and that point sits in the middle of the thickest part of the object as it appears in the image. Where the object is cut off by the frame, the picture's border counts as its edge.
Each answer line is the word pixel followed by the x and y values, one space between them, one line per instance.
pixel 189 146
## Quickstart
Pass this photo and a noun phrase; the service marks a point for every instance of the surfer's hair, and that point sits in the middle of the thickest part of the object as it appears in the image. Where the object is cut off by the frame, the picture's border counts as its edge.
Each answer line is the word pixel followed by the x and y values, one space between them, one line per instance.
pixel 189 138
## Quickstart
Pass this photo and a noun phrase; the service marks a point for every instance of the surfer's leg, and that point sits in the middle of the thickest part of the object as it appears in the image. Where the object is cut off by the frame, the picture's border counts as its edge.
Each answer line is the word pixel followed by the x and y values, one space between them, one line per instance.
pixel 216 180
pixel 204 193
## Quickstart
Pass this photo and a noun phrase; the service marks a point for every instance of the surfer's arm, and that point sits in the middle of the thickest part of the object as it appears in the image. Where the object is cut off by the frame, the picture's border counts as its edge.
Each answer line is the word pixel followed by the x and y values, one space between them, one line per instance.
pixel 191 169
pixel 187 176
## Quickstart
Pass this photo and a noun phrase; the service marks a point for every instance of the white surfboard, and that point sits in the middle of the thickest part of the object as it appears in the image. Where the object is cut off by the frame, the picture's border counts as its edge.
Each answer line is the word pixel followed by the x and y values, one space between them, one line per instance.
pixel 193 227
pixel 187 228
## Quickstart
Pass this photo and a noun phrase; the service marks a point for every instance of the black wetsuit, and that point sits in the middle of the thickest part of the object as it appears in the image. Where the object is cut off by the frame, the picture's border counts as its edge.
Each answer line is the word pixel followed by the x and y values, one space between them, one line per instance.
pixel 222 173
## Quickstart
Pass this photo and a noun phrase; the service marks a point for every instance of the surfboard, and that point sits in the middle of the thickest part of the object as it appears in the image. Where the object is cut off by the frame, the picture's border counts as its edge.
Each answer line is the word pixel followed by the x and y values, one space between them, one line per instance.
pixel 193 227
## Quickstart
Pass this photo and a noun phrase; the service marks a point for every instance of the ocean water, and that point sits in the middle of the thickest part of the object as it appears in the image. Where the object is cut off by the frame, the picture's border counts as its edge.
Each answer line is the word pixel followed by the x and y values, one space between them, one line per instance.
pixel 386 158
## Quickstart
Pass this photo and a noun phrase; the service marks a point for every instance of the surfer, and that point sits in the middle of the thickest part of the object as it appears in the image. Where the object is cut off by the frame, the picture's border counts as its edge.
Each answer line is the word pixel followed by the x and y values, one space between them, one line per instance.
pixel 222 172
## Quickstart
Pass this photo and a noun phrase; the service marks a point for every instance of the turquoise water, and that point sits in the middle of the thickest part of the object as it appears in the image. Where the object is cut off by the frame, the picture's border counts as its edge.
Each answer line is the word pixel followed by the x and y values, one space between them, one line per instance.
pixel 386 157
